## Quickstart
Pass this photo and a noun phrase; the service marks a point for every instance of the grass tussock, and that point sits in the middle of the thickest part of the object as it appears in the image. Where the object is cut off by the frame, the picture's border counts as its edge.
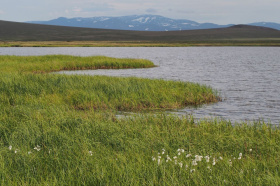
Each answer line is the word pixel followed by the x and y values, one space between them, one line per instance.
pixel 62 130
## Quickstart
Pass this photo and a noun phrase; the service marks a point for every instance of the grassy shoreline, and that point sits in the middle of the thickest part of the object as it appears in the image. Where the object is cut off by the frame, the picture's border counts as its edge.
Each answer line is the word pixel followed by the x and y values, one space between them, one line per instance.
pixel 236 42
pixel 62 130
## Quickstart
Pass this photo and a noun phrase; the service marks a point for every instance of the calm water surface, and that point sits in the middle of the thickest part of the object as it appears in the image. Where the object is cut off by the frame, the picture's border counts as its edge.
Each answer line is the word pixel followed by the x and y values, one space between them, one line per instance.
pixel 248 78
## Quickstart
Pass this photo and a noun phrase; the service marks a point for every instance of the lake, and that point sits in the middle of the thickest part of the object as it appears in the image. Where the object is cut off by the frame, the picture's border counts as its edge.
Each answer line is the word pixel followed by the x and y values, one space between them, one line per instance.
pixel 247 78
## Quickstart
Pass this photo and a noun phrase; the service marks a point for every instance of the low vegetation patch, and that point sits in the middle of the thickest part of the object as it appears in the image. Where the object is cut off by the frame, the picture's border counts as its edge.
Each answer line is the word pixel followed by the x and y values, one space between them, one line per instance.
pixel 62 130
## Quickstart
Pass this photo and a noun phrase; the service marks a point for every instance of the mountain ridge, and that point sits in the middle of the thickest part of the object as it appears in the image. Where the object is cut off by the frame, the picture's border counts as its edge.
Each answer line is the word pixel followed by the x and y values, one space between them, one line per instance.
pixel 14 31
pixel 146 22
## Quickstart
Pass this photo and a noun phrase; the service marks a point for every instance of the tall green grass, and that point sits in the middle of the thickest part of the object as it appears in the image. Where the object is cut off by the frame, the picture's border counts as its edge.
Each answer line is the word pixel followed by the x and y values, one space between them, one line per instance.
pixel 62 130
pixel 50 63
pixel 90 148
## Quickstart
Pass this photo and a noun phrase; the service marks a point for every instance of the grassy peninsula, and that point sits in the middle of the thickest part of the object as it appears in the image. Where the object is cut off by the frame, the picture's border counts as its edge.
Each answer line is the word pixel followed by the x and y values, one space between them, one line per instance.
pixel 63 130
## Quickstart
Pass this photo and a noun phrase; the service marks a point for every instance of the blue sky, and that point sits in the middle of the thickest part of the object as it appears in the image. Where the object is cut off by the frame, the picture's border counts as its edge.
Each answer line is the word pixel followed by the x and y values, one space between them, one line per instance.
pixel 214 11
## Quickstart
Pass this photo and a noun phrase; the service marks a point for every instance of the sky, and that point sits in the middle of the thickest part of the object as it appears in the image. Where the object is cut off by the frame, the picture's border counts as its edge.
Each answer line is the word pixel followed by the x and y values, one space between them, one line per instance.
pixel 202 11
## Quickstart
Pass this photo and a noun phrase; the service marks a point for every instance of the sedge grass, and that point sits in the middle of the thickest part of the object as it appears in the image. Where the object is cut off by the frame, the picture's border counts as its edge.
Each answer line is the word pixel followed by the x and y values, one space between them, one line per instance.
pixel 62 130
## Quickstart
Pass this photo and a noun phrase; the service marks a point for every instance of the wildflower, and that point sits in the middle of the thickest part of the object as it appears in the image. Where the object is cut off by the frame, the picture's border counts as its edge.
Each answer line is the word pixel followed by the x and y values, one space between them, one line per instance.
pixel 198 158
pixel 251 150
pixel 186 167
pixel 29 152
pixel 16 151
pixel 179 153
pixel 240 155
pixel 163 151
pixel 214 161
pixel 10 147
pixel 230 162
pixel 38 148
pixel 153 158
pixel 192 170
pixel 254 170
pixel 181 164
pixel 221 158
pixel 194 163
pixel 175 157
pixel 168 158
pixel 188 155
pixel 207 158
pixel 209 168
pixel 90 153
pixel 159 157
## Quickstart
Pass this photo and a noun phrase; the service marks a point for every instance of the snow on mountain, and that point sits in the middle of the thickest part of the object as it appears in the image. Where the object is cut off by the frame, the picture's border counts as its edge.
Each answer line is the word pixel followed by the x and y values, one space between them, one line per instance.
pixel 140 22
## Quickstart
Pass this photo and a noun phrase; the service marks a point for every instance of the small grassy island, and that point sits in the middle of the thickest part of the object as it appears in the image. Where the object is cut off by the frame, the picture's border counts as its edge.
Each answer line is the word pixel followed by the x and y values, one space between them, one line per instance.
pixel 62 129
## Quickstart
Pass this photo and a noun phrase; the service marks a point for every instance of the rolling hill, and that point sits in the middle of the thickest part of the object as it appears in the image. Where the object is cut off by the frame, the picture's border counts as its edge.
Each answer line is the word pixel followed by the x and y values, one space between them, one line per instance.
pixel 14 31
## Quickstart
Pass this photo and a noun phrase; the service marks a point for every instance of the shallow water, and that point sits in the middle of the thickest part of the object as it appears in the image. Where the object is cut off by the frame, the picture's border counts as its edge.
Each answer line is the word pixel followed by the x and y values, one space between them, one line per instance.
pixel 247 78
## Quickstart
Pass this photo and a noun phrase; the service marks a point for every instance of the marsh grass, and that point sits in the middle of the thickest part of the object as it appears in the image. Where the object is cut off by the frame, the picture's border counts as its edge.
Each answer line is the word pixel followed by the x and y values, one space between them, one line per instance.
pixel 62 130
pixel 50 63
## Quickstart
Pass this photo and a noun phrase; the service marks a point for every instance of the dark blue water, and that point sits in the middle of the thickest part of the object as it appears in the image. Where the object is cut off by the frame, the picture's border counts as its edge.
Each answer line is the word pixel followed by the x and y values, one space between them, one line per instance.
pixel 247 78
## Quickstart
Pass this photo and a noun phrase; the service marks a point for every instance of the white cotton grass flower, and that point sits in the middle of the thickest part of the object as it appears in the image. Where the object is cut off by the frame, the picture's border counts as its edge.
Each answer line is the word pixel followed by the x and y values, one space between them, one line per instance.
pixel 175 157
pixel 181 164
pixel 158 161
pixel 90 153
pixel 186 167
pixel 214 161
pixel 153 158
pixel 207 158
pixel 251 150
pixel 198 158
pixel 240 156
pixel 10 147
pixel 16 151
pixel 29 152
pixel 188 155
pixel 38 148
pixel 230 162
pixel 221 158
pixel 180 151
pixel 168 159
pixel 194 163
pixel 192 170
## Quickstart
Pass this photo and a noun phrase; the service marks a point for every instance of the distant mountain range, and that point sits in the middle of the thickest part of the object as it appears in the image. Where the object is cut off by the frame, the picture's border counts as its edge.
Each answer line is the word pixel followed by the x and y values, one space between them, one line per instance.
pixel 141 23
